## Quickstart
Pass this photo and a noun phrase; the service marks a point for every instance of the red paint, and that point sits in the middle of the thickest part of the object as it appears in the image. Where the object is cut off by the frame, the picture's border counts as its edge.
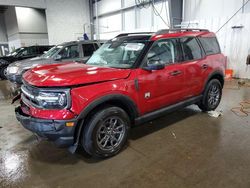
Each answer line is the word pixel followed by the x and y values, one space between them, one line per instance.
pixel 96 82
pixel 71 74
pixel 183 34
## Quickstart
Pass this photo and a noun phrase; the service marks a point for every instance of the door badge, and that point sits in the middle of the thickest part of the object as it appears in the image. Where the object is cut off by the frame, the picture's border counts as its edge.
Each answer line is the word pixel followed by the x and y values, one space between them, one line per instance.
pixel 147 95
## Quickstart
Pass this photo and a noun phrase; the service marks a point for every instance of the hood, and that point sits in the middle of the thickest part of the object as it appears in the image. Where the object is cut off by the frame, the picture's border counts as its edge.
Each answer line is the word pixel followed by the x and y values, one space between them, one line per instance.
pixel 60 75
pixel 32 62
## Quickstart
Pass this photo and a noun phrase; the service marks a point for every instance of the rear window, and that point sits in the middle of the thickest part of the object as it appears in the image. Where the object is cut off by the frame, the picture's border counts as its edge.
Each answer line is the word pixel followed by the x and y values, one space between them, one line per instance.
pixel 191 49
pixel 210 45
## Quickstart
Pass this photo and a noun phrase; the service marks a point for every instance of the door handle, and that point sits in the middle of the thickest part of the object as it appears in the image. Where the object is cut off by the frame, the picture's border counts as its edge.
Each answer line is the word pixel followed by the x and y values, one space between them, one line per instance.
pixel 175 73
pixel 204 66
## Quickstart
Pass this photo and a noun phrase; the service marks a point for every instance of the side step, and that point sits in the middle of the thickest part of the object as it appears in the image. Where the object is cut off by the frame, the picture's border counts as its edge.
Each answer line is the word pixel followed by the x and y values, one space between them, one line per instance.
pixel 158 113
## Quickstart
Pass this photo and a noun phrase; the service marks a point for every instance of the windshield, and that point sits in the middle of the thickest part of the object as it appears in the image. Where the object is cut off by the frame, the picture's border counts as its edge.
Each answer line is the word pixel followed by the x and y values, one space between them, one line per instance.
pixel 51 52
pixel 117 54
pixel 15 52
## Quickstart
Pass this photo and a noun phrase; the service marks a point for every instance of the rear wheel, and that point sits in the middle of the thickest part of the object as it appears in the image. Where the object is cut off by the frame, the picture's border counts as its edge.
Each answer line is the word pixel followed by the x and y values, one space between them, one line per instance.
pixel 3 73
pixel 106 132
pixel 212 96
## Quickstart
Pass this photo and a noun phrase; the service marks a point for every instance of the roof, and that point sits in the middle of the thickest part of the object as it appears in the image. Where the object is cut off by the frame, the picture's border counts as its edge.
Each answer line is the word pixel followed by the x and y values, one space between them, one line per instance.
pixel 170 33
pixel 81 42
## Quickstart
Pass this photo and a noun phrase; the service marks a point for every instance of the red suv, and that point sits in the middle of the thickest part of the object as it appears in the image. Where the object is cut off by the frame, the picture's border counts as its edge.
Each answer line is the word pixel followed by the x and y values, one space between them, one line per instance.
pixel 131 79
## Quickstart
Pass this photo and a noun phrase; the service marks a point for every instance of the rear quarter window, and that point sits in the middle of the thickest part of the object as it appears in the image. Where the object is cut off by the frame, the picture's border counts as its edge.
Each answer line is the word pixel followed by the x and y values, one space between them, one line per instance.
pixel 210 45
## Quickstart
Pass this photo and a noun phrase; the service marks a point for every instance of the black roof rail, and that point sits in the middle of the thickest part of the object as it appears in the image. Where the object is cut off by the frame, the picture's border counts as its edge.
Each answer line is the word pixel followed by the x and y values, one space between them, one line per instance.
pixel 138 33
pixel 163 31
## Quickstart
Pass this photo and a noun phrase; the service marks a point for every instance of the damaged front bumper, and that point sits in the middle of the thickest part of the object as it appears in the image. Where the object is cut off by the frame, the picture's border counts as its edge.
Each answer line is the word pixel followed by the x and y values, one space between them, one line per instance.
pixel 54 130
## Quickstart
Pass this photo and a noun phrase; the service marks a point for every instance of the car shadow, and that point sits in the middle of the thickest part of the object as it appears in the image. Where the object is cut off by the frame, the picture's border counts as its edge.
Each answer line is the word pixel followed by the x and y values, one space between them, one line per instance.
pixel 46 151
pixel 162 122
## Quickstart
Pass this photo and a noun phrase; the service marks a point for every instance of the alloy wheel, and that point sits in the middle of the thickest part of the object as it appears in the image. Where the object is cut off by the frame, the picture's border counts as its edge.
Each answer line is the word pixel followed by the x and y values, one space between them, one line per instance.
pixel 213 95
pixel 110 133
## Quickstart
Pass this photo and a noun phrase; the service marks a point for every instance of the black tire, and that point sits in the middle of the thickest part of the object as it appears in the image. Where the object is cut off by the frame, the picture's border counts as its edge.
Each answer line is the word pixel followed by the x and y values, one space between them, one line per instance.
pixel 211 96
pixel 103 129
pixel 3 71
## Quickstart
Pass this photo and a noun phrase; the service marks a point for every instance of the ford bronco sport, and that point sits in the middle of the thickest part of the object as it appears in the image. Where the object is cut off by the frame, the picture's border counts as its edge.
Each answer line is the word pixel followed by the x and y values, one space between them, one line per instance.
pixel 131 79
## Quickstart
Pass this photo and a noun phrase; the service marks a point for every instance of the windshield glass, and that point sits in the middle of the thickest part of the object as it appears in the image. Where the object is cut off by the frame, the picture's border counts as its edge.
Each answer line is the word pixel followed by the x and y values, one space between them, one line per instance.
pixel 51 52
pixel 15 52
pixel 117 54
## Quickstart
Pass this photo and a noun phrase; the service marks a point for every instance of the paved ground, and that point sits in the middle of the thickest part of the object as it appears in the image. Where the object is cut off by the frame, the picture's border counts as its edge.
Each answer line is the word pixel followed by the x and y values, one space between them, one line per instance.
pixel 183 149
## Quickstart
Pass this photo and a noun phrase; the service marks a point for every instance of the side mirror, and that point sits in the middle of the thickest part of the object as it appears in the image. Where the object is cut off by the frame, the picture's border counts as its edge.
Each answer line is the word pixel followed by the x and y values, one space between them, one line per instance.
pixel 45 52
pixel 154 65
pixel 58 57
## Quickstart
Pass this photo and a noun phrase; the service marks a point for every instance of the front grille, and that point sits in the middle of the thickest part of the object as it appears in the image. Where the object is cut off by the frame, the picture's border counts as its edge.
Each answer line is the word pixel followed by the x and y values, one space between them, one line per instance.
pixel 28 94
pixel 31 89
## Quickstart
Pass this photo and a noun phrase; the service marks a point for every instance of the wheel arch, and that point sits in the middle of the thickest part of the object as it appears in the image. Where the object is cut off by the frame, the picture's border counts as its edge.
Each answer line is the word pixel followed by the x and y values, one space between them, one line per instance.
pixel 219 75
pixel 119 100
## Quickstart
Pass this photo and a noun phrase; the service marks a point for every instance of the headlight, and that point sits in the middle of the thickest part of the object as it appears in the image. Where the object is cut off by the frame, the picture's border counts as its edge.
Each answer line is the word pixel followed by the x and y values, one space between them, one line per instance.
pixel 46 98
pixel 52 100
pixel 12 70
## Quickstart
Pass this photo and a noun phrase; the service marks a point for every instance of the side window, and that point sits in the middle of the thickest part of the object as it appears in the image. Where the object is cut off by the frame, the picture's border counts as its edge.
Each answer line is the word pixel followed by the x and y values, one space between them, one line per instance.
pixel 32 50
pixel 96 46
pixel 24 52
pixel 191 49
pixel 28 51
pixel 164 52
pixel 210 45
pixel 69 52
pixel 88 49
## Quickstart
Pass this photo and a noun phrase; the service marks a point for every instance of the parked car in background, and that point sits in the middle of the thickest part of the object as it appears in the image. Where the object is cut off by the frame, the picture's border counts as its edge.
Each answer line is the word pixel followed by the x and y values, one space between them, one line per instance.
pixel 20 54
pixel 131 79
pixel 77 51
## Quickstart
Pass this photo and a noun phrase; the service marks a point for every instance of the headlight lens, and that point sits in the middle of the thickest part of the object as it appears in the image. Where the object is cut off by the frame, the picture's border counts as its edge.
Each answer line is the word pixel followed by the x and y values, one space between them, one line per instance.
pixel 46 98
pixel 52 100
pixel 12 70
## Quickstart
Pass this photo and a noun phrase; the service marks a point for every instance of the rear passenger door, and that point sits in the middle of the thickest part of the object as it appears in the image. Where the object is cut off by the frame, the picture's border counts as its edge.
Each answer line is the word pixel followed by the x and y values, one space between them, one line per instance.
pixel 195 66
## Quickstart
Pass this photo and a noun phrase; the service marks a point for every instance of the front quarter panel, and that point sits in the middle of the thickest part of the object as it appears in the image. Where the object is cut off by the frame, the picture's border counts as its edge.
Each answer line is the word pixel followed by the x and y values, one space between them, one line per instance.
pixel 85 95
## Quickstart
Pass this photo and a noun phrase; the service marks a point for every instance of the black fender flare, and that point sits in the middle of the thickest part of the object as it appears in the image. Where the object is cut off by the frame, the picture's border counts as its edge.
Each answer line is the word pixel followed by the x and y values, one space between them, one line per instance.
pixel 124 100
pixel 216 74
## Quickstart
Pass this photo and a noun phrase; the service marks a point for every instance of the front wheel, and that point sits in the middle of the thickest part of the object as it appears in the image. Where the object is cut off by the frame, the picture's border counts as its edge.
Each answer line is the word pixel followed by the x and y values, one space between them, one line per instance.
pixel 211 96
pixel 106 132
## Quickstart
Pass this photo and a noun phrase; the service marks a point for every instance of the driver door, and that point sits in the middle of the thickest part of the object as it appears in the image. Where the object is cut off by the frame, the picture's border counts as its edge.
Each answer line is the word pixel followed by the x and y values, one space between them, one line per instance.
pixel 160 88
